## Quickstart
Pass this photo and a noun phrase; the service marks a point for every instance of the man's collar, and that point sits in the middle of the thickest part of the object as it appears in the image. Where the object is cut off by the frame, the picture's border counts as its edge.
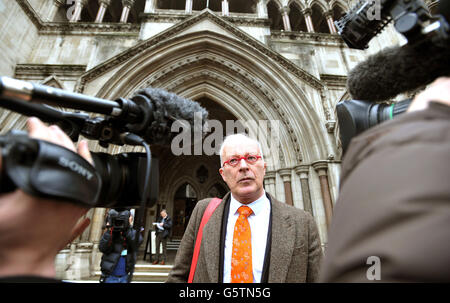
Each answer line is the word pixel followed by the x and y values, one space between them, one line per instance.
pixel 256 205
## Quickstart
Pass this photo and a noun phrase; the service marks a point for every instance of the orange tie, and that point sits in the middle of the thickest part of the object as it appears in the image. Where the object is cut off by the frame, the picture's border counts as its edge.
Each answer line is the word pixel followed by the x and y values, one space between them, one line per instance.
pixel 241 258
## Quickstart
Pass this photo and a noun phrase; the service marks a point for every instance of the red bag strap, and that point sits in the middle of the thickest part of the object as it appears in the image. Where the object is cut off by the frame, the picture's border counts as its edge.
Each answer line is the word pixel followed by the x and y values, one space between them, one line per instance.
pixel 206 215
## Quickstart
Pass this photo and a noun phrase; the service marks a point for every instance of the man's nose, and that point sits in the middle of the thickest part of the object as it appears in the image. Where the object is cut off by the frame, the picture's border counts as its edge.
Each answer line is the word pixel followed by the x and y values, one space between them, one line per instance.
pixel 243 164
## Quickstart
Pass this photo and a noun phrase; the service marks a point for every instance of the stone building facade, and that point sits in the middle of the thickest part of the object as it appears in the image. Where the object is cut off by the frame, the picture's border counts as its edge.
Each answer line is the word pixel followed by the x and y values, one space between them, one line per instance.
pixel 255 60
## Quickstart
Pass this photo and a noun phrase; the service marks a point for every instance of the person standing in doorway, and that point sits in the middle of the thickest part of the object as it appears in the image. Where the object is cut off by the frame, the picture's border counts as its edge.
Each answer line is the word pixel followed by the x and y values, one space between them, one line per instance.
pixel 163 227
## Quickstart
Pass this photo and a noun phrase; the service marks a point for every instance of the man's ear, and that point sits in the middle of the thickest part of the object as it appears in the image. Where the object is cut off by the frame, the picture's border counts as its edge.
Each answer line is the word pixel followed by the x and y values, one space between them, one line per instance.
pixel 221 173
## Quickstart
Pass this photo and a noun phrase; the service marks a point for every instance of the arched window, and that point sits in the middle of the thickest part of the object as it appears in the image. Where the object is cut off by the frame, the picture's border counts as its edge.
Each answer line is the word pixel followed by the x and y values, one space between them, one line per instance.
pixel 338 12
pixel 239 6
pixel 276 23
pixel 318 19
pixel 296 18
pixel 171 4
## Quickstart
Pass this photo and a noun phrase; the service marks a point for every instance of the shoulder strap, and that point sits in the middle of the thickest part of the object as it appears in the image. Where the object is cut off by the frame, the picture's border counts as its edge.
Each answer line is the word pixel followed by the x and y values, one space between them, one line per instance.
pixel 206 215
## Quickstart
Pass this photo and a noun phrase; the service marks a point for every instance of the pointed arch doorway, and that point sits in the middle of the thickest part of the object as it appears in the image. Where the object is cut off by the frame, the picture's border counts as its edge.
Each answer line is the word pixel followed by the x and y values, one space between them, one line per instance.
pixel 187 179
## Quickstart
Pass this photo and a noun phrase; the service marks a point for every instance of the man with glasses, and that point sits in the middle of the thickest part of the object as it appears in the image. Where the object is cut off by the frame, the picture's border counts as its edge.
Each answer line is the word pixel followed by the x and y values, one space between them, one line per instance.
pixel 250 237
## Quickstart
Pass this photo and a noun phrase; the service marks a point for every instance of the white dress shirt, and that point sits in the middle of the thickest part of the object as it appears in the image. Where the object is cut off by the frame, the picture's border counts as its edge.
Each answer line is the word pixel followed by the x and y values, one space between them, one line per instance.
pixel 259 225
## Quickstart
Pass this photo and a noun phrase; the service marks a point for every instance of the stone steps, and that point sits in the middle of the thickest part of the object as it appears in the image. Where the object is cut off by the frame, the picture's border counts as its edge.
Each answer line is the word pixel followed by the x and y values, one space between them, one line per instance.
pixel 143 273
pixel 173 244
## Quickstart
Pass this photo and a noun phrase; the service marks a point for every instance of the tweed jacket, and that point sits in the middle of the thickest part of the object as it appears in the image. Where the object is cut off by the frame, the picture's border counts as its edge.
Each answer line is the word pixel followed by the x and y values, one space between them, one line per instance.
pixel 295 252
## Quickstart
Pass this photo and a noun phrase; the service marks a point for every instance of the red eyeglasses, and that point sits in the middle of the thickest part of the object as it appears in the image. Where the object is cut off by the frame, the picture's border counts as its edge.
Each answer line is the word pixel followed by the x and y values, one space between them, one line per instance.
pixel 251 159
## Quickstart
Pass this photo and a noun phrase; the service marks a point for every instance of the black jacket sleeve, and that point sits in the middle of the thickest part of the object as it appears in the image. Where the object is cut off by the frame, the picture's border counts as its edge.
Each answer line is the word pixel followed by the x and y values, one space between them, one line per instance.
pixel 106 245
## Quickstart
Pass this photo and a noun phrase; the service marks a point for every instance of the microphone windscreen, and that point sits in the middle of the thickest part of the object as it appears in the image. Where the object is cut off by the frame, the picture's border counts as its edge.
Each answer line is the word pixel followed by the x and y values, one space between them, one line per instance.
pixel 396 70
pixel 174 105
pixel 167 107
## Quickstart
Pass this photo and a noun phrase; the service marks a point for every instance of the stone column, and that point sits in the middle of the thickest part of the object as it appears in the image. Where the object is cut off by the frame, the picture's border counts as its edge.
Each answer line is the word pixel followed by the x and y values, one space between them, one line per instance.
pixel 285 173
pixel 54 9
pixel 225 8
pixel 269 180
pixel 150 6
pixel 302 171
pixel 79 5
pixel 329 16
pixel 188 6
pixel 94 238
pixel 309 25
pixel 96 225
pixel 261 9
pixel 127 4
pixel 102 10
pixel 321 168
pixel 285 15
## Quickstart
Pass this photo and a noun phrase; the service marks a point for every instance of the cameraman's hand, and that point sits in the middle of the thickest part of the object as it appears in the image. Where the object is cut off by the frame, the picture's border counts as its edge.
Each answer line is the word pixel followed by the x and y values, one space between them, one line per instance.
pixel 33 230
pixel 439 91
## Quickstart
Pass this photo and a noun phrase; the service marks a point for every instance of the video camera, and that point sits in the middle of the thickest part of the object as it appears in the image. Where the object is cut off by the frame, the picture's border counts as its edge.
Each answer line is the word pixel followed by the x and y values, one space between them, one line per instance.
pixel 392 71
pixel 47 170
pixel 118 220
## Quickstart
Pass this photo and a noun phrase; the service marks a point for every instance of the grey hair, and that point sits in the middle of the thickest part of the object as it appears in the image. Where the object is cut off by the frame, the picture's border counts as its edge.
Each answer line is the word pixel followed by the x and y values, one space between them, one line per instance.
pixel 235 136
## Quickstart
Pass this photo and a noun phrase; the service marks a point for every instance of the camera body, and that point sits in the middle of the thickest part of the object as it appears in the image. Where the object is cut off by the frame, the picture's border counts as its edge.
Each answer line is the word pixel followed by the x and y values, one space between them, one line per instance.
pixel 118 221
pixel 392 71
pixel 47 170
pixel 123 177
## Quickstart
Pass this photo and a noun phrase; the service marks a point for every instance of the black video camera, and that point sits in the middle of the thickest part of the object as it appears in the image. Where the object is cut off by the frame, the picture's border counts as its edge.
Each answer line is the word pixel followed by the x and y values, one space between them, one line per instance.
pixel 426 34
pixel 118 220
pixel 123 180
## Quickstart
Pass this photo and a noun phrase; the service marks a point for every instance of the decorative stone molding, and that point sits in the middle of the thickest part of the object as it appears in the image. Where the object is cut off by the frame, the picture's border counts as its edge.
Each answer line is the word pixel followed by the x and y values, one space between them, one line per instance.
pixel 320 166
pixel 307 11
pixel 285 174
pixel 164 17
pixel 163 39
pixel 334 81
pixel 89 29
pixel 323 38
pixel 129 3
pixel 247 21
pixel 330 125
pixel 270 175
pixel 328 14
pixel 39 71
pixel 206 59
pixel 31 13
pixel 175 17
pixel 302 171
pixel 77 28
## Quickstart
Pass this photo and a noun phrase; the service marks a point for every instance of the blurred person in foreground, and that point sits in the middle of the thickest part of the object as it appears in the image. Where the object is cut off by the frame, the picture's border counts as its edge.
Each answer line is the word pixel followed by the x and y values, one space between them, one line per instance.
pixel 33 230
pixel 392 219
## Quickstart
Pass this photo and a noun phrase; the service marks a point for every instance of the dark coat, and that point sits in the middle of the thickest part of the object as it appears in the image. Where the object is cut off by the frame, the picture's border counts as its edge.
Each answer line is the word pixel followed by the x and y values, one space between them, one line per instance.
pixel 167 226
pixel 111 245
pixel 394 203
pixel 295 251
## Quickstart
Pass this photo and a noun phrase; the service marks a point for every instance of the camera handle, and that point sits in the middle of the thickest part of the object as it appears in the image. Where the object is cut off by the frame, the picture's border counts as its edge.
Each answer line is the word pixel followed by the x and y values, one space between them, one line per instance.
pixel 47 170
pixel 103 129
